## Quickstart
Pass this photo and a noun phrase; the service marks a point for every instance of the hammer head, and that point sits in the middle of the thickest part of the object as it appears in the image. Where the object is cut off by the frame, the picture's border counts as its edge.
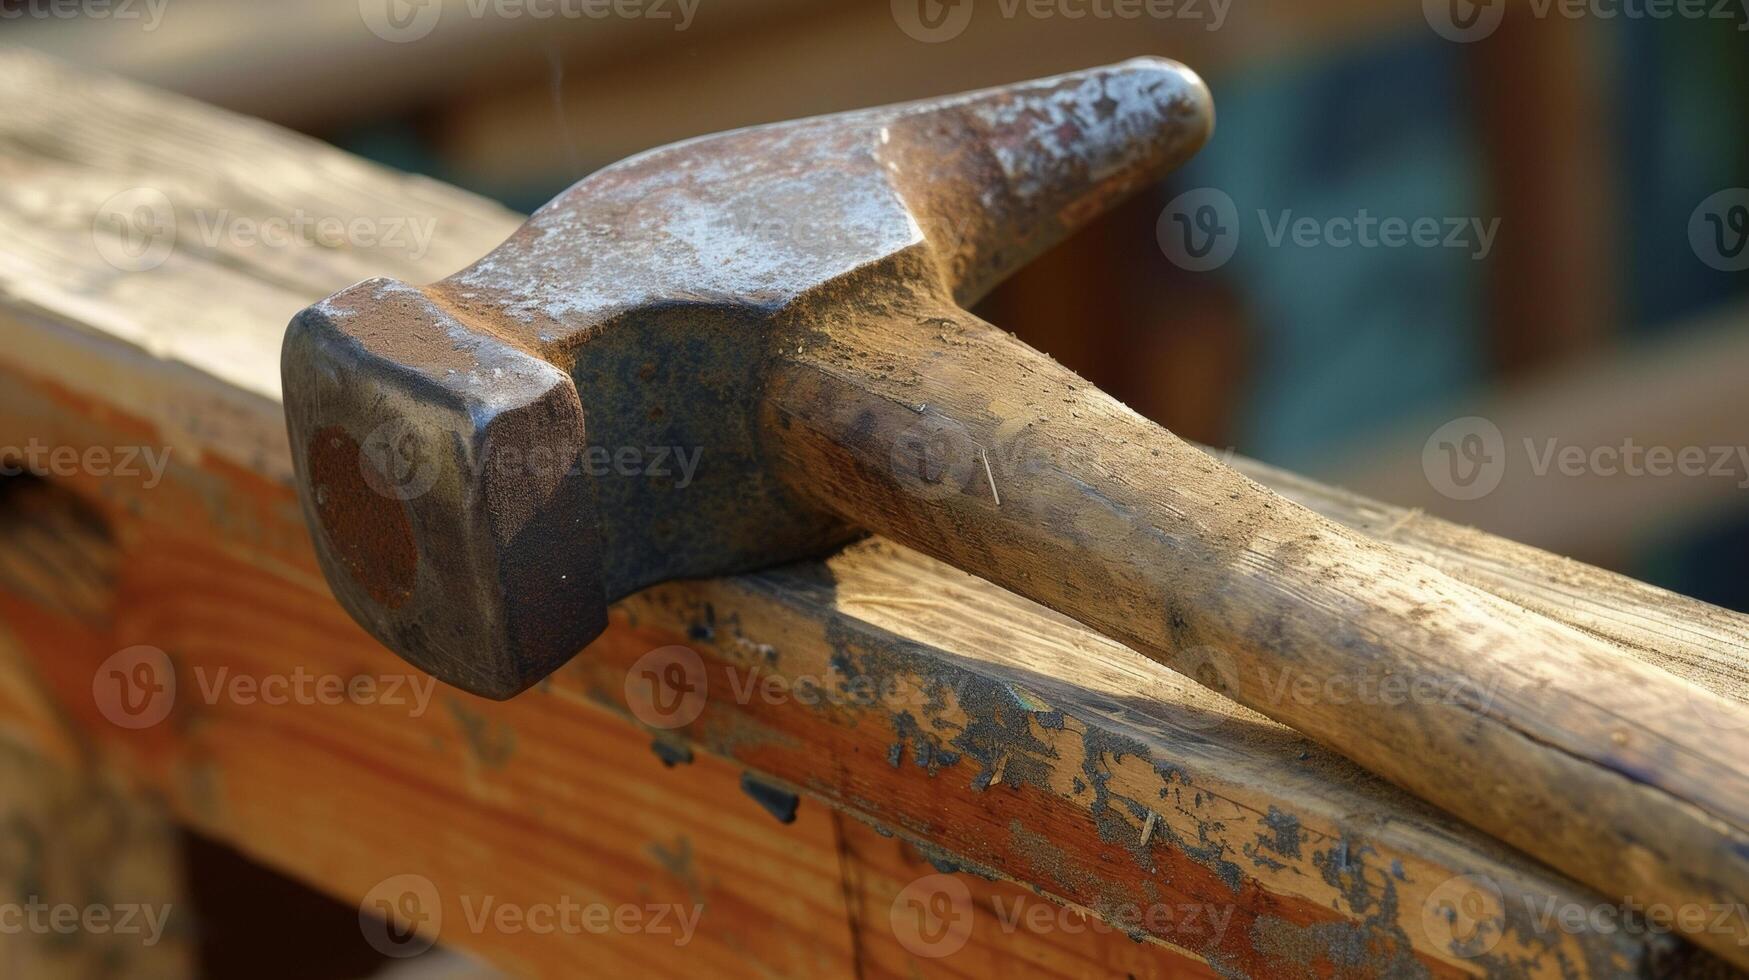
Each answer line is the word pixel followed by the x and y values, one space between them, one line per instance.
pixel 488 461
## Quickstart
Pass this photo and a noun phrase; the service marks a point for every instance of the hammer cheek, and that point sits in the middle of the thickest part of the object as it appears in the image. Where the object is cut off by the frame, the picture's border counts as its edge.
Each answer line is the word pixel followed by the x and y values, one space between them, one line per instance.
pixel 537 521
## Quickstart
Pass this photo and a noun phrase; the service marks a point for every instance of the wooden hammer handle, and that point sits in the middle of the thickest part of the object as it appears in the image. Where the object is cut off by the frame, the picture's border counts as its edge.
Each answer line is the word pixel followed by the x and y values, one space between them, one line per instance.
pixel 953 437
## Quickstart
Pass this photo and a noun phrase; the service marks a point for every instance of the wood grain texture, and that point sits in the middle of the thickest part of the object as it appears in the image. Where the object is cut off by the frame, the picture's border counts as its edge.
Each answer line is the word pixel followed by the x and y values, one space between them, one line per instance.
pixel 90 869
pixel 885 687
pixel 1000 737
pixel 928 426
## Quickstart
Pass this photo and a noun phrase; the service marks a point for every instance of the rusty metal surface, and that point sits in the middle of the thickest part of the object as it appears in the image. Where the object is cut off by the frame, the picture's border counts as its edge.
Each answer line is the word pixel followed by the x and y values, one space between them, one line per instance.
pixel 515 416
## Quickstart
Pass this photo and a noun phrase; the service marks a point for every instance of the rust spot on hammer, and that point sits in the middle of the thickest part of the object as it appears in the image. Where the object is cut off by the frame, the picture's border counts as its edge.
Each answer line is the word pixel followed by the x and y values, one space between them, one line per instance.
pixel 369 531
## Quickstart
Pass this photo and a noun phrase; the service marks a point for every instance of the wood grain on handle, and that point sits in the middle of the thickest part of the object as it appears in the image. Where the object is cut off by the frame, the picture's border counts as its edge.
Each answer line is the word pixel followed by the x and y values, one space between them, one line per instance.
pixel 929 426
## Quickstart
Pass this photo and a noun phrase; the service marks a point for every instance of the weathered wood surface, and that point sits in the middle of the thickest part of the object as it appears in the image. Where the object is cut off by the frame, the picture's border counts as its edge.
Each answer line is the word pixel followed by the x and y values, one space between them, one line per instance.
pixel 1623 775
pixel 588 90
pixel 978 729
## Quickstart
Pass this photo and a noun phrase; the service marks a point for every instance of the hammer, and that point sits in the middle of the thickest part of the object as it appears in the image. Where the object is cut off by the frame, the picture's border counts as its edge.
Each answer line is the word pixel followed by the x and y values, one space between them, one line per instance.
pixel 788 303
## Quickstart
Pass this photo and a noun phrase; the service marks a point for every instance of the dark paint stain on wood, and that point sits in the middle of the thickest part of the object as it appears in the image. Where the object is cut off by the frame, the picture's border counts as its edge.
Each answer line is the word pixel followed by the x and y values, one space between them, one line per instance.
pixel 672 753
pixel 490 744
pixel 777 801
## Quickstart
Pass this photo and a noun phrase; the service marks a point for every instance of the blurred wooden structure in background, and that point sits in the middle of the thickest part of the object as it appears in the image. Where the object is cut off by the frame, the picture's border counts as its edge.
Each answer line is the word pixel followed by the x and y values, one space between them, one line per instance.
pixel 510 101
pixel 74 833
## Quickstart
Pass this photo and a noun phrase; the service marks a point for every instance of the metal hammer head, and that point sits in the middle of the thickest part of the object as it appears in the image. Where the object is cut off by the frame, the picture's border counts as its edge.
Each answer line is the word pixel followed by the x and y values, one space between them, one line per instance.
pixel 486 462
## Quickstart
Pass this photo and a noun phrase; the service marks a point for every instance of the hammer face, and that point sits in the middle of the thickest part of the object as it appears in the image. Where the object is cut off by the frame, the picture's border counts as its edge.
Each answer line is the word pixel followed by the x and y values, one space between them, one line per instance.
pixel 448 507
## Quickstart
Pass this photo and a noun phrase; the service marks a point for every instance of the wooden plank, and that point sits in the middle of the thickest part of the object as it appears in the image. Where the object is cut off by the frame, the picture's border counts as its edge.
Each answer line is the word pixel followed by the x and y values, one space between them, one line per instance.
pixel 1026 748
pixel 725 65
pixel 548 797
pixel 1621 774
pixel 842 56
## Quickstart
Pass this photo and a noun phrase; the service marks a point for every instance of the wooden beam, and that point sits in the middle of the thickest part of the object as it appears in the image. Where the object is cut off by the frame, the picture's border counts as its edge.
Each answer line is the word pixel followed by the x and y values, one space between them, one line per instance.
pixel 723 64
pixel 1682 393
pixel 91 877
pixel 1551 173
pixel 845 56
pixel 892 695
